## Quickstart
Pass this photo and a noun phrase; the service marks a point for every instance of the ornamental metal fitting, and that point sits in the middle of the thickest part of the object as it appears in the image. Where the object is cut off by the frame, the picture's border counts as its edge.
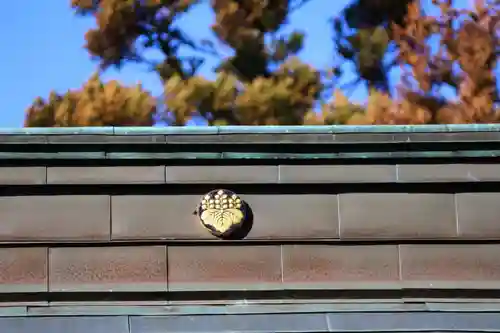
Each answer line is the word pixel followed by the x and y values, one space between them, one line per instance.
pixel 222 212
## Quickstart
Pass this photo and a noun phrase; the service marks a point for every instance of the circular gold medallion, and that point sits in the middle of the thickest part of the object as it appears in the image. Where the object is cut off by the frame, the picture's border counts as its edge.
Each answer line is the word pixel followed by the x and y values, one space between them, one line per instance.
pixel 221 212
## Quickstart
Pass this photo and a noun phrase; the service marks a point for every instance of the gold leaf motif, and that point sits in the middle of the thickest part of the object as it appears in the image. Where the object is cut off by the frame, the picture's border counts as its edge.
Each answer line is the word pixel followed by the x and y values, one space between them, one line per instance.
pixel 221 212
pixel 222 219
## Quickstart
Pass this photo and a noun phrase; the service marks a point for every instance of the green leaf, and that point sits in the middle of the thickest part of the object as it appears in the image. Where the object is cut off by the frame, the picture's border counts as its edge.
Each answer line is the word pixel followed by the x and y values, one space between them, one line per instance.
pixel 337 71
pixel 379 35
pixel 280 51
pixel 345 52
pixel 380 41
pixel 220 122
pixel 365 36
pixel 355 40
pixel 268 20
pixel 295 42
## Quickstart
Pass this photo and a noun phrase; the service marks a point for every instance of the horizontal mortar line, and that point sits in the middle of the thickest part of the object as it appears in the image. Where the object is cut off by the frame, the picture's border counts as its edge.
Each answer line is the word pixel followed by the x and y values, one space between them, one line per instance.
pixel 167 188
pixel 231 153
pixel 244 242
pixel 401 294
pixel 88 162
pixel 190 159
pixel 265 150
pixel 249 147
pixel 314 160
pixel 244 183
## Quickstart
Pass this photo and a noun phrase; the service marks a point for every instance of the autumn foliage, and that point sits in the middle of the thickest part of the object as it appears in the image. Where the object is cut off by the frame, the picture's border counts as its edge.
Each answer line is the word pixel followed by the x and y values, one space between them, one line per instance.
pixel 96 104
pixel 264 82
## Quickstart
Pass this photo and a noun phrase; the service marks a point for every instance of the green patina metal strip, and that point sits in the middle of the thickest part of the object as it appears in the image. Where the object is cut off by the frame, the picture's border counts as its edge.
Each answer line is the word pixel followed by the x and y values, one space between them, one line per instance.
pixel 165 156
pixel 13 311
pixel 365 306
pixel 334 129
pixel 188 130
pixel 249 156
pixel 47 156
pixel 464 141
pixel 373 155
pixel 57 131
pixel 241 308
pixel 275 130
pixel 416 128
pixel 193 130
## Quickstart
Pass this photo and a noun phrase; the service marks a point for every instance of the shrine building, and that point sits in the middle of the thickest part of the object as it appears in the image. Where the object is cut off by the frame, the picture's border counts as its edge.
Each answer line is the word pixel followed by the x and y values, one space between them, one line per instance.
pixel 250 229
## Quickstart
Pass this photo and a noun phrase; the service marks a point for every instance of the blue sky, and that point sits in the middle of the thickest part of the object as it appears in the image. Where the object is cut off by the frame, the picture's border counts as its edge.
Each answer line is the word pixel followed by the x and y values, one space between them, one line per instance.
pixel 43 44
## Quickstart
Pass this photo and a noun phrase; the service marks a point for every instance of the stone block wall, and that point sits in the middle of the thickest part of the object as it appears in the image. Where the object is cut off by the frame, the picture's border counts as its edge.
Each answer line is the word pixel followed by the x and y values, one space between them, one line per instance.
pixel 105 216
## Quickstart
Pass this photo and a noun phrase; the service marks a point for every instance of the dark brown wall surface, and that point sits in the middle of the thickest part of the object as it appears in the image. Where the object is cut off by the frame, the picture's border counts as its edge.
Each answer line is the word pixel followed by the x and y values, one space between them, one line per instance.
pixel 89 227
pixel 157 268
pixel 345 216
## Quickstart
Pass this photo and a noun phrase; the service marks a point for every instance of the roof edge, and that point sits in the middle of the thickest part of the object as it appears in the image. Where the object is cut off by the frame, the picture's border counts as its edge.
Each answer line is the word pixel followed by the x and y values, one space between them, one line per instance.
pixel 255 307
pixel 193 130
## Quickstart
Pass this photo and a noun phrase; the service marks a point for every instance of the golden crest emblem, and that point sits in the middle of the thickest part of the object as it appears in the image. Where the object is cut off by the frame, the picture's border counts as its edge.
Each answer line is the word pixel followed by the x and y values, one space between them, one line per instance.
pixel 221 212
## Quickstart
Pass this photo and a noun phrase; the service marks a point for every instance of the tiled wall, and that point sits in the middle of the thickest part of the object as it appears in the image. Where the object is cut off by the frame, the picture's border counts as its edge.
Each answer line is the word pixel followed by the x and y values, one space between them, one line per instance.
pixel 346 216
pixel 244 174
pixel 132 240
pixel 355 247
pixel 251 267
pixel 263 323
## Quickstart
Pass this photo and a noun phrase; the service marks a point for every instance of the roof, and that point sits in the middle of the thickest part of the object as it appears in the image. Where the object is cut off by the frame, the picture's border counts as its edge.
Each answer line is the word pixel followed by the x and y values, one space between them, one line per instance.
pixel 319 318
pixel 236 143
pixel 101 222
pixel 334 129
